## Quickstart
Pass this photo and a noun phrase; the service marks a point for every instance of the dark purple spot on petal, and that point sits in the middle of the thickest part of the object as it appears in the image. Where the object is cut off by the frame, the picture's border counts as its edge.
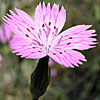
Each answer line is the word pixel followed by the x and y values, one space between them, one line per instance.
pixel 32 28
pixel 43 25
pixel 54 27
pixel 33 47
pixel 39 51
pixel 60 52
pixel 54 53
pixel 28 29
pixel 26 35
pixel 49 23
pixel 70 38
pixel 64 51
pixel 68 43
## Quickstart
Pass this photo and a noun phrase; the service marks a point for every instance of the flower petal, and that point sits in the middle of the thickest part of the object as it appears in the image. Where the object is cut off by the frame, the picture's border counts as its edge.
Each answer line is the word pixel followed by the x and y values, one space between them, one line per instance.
pixel 77 37
pixel 39 15
pixel 61 19
pixel 20 22
pixel 54 14
pixel 53 18
pixel 26 48
pixel 66 57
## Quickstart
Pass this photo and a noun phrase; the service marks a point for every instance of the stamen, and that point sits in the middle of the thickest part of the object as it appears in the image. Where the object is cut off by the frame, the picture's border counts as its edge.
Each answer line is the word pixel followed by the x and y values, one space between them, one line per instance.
pixel 39 51
pixel 26 35
pixel 28 29
pixel 54 53
pixel 54 27
pixel 32 28
pixel 68 43
pixel 70 38
pixel 33 47
pixel 60 52
pixel 49 23
pixel 43 25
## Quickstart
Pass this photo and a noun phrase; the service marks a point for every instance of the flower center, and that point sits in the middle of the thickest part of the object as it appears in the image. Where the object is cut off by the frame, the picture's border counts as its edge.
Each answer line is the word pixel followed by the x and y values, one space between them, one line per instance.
pixel 47 35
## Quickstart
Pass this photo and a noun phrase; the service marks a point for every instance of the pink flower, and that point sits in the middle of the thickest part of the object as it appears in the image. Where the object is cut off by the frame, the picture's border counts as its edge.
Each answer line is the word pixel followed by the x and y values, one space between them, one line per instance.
pixel 5 33
pixel 41 37
pixel 0 60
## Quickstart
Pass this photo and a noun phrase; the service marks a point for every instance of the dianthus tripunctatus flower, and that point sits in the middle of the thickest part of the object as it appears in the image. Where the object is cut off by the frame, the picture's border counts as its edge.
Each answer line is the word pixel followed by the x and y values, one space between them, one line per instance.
pixel 5 33
pixel 41 37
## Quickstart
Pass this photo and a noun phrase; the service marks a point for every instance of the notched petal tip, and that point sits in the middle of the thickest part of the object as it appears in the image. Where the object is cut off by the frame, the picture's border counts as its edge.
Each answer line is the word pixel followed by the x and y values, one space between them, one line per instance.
pixel 14 52
pixel 5 22
pixel 15 8
pixel 18 10
pixel 48 5
pixel 39 4
pixel 63 10
pixel 43 3
pixel 55 6
pixel 4 19
pixel 93 31
pixel 72 66
pixel 88 26
pixel 84 60
pixel 93 46
pixel 12 13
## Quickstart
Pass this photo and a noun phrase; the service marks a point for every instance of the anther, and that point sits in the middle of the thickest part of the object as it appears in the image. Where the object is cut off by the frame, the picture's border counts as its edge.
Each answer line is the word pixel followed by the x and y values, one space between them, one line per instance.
pixel 60 52
pixel 43 25
pixel 32 28
pixel 26 35
pixel 39 51
pixel 33 47
pixel 54 27
pixel 68 43
pixel 28 29
pixel 49 23
pixel 70 38
pixel 54 53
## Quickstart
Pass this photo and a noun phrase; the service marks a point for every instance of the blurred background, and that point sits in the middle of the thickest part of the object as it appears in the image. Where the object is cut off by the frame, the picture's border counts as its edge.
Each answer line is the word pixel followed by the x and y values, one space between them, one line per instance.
pixel 81 83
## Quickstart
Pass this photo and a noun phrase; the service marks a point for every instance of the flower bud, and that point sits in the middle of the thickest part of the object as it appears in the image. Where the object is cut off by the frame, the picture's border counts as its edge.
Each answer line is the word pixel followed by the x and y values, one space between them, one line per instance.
pixel 40 78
